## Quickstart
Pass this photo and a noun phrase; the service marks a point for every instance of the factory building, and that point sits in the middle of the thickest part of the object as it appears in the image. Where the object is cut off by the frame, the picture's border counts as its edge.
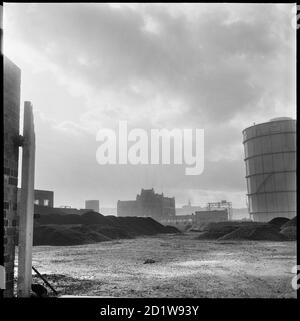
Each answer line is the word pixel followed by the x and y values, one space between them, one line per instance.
pixel 43 198
pixel 44 204
pixel 197 219
pixel 148 204
pixel 211 216
pixel 270 158
pixel 92 205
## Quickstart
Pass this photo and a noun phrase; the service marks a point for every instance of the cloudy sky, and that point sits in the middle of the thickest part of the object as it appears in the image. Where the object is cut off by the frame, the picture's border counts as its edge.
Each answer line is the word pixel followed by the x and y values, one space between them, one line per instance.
pixel 219 67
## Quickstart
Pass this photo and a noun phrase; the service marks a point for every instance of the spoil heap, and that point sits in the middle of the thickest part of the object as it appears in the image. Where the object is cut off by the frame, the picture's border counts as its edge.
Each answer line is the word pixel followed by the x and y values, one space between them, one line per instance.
pixel 219 229
pixel 278 229
pixel 292 222
pixel 279 221
pixel 263 232
pixel 91 227
pixel 289 229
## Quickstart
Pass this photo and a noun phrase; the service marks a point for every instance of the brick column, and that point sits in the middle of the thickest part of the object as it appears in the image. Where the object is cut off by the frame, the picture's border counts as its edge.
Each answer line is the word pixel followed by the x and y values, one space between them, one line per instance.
pixel 11 113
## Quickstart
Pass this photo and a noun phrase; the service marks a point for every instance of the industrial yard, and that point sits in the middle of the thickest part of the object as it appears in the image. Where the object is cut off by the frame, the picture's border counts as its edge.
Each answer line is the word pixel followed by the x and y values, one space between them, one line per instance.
pixel 181 267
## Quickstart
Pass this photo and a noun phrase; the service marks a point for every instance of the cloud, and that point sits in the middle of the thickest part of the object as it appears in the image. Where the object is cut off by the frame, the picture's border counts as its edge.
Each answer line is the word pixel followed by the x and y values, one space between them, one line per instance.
pixel 212 66
pixel 219 67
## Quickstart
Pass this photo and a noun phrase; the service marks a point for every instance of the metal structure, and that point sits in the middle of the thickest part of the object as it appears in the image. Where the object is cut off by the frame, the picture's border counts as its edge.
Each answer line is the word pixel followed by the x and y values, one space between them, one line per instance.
pixel 270 158
pixel 212 206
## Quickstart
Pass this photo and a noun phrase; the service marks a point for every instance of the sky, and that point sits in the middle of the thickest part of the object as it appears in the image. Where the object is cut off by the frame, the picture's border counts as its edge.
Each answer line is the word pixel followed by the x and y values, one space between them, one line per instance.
pixel 85 67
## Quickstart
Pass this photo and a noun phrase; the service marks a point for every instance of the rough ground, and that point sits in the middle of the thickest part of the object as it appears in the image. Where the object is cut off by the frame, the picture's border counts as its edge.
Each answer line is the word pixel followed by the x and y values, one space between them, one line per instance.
pixel 184 267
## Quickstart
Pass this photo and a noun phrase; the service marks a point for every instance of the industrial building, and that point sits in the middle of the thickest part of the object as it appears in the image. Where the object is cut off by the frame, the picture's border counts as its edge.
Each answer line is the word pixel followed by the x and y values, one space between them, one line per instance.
pixel 41 197
pixel 198 218
pixel 211 216
pixel 44 198
pixel 148 204
pixel 270 158
pixel 92 205
pixel 44 204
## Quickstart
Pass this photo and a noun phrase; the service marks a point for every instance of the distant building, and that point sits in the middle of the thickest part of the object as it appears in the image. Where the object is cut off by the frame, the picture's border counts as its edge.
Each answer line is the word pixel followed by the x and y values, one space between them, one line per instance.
pixel 200 217
pixel 92 205
pixel 44 204
pixel 211 216
pixel 43 198
pixel 148 204
pixel 222 205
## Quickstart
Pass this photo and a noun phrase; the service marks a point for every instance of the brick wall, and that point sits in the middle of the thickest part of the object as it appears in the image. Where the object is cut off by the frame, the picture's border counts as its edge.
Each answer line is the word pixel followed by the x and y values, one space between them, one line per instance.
pixel 11 113
pixel 41 196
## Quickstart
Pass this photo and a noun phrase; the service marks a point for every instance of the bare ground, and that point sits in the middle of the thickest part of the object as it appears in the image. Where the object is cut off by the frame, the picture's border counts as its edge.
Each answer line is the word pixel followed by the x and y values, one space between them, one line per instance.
pixel 184 267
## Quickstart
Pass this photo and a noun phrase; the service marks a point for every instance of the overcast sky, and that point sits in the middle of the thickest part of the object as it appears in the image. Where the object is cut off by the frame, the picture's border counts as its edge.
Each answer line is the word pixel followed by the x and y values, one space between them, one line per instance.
pixel 220 67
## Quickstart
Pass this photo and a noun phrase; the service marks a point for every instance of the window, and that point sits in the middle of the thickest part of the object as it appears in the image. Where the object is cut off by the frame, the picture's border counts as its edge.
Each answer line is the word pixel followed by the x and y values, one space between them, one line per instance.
pixel 46 202
pixel 36 202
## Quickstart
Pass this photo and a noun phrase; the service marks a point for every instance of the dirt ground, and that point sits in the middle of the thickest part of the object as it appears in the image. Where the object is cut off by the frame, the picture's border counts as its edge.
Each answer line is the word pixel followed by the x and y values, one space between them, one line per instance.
pixel 184 267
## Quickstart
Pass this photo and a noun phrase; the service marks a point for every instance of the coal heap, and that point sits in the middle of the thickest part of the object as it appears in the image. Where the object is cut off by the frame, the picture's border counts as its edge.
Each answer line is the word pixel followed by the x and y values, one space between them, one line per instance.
pixel 92 227
pixel 278 229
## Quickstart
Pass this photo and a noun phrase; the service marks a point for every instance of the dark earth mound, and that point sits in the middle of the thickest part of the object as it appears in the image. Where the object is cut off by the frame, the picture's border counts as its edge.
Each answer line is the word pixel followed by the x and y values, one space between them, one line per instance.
pixel 279 221
pixel 219 229
pixel 290 232
pixel 264 232
pixel 292 222
pixel 247 231
pixel 91 227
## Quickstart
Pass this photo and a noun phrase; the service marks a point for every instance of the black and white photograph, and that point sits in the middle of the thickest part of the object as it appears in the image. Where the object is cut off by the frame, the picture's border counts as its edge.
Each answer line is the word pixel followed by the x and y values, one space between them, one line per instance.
pixel 149 152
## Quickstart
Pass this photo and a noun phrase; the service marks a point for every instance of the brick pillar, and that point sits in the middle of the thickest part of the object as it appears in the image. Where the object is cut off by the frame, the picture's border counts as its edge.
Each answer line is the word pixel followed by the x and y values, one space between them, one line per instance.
pixel 11 113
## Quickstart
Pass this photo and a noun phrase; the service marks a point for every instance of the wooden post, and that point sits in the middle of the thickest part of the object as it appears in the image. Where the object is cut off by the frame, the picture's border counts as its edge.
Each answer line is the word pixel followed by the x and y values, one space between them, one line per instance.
pixel 26 210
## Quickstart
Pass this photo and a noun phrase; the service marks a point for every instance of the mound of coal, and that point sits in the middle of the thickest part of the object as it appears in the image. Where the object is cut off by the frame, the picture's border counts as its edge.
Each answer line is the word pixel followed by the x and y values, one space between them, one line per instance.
pixel 171 229
pixel 109 231
pixel 279 221
pixel 263 232
pixel 91 227
pixel 219 229
pixel 60 219
pixel 290 232
pixel 292 222
pixel 64 235
pixel 140 225
pixel 95 218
